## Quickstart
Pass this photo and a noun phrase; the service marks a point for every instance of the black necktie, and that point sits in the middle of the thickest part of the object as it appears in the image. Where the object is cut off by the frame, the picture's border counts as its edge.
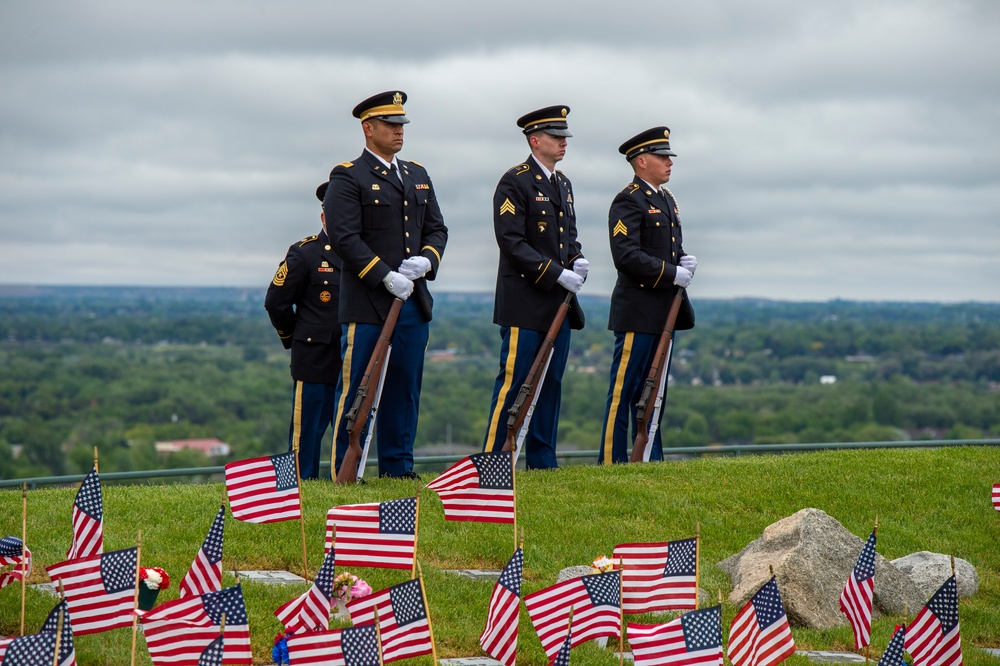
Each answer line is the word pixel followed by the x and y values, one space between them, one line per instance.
pixel 395 172
pixel 555 186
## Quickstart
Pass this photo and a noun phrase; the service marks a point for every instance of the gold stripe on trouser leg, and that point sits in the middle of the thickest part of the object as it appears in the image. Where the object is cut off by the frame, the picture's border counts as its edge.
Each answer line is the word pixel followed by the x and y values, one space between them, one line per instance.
pixel 345 378
pixel 609 425
pixel 297 418
pixel 508 378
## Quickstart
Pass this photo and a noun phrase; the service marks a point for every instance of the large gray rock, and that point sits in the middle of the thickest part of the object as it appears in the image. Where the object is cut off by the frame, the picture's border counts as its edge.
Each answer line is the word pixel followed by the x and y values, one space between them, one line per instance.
pixel 929 571
pixel 812 555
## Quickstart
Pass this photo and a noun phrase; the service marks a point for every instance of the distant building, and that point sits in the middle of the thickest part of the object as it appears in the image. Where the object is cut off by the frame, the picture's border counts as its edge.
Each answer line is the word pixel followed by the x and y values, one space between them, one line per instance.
pixel 828 379
pixel 210 447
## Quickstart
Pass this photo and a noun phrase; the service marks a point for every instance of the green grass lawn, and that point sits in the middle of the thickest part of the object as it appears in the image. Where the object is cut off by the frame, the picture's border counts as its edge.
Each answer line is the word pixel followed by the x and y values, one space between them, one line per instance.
pixel 936 500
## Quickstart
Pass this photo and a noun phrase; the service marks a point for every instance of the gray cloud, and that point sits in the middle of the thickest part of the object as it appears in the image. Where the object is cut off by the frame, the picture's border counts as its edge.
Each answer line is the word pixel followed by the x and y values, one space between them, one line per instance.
pixel 847 150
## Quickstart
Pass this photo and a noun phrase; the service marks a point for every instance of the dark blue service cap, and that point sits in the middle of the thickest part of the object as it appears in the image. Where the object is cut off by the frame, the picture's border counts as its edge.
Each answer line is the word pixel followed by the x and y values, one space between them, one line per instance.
pixel 386 106
pixel 551 120
pixel 655 140
pixel 321 190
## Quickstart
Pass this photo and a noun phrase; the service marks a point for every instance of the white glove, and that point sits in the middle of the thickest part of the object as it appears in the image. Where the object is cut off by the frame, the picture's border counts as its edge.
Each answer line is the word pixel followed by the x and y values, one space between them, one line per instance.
pixel 415 267
pixel 570 281
pixel 690 262
pixel 398 285
pixel 581 267
pixel 683 277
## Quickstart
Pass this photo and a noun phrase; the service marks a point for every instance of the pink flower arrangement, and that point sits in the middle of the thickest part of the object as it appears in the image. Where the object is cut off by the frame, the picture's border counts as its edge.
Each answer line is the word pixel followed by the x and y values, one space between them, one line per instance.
pixel 347 587
pixel 154 578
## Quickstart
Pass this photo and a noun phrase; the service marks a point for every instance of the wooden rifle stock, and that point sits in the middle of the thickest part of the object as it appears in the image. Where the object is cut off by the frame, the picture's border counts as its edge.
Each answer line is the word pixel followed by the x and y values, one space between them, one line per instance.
pixel 519 410
pixel 647 401
pixel 357 416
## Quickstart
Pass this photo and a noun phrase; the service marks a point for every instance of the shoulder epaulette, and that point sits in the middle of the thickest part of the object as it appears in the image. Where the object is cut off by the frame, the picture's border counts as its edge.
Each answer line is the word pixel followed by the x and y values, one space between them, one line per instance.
pixel 417 163
pixel 307 239
pixel 631 187
pixel 346 165
pixel 519 169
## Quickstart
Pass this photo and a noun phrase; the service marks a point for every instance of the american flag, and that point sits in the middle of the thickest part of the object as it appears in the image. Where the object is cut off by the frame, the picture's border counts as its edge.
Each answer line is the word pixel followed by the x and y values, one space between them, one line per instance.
pixel 658 576
pixel 856 599
pixel 39 649
pixel 178 631
pixel 693 639
pixel 205 574
pixel 402 619
pixel 100 590
pixel 996 496
pixel 562 657
pixel 67 652
pixel 933 638
pixel 499 638
pixel 478 488
pixel 213 654
pixel 893 655
pixel 353 646
pixel 311 609
pixel 759 634
pixel 11 551
pixel 265 489
pixel 88 515
pixel 595 601
pixel 374 535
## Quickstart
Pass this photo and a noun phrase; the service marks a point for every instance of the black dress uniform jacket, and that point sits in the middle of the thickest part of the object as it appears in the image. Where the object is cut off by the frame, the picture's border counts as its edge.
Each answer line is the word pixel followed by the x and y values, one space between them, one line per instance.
pixel 646 245
pixel 375 223
pixel 302 302
pixel 535 226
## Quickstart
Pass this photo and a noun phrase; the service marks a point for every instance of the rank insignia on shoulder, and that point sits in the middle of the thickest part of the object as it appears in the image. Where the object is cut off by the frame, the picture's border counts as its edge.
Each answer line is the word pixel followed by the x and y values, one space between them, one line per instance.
pixel 346 165
pixel 281 275
pixel 421 186
pixel 375 186
pixel 417 163
pixel 620 229
pixel 507 207
pixel 542 225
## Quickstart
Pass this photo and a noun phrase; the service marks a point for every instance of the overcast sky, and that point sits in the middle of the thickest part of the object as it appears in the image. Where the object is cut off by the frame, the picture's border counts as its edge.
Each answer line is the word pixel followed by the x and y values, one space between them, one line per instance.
pixel 845 149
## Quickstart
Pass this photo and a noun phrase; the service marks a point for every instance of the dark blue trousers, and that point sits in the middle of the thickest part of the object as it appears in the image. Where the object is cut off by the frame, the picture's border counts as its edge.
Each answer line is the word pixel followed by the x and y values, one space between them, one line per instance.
pixel 396 422
pixel 629 368
pixel 518 347
pixel 312 412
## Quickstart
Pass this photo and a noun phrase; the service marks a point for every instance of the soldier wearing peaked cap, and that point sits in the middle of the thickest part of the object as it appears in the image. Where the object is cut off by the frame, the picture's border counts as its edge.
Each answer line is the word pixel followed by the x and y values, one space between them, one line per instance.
pixel 534 220
pixel 302 302
pixel 384 222
pixel 644 227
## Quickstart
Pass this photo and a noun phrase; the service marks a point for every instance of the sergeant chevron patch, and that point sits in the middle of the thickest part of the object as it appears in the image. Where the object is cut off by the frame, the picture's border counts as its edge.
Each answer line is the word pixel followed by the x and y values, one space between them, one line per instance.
pixel 281 275
pixel 507 207
pixel 619 229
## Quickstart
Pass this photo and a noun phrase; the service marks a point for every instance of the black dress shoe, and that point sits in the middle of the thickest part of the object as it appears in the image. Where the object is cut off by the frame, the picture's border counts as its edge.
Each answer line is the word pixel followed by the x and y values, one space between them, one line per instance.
pixel 409 475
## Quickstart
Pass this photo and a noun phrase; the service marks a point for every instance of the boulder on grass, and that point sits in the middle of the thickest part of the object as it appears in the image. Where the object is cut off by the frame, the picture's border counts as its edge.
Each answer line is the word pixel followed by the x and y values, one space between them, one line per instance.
pixel 812 555
pixel 929 571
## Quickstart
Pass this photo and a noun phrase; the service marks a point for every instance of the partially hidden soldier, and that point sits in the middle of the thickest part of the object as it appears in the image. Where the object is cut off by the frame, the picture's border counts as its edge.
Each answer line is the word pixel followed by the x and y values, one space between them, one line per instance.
pixel 302 302
pixel 383 218
pixel 644 227
pixel 540 260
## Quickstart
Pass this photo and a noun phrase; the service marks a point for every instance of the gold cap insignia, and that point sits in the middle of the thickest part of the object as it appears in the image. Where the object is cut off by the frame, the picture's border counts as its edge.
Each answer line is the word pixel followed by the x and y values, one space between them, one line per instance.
pixel 666 134
pixel 564 112
pixel 397 99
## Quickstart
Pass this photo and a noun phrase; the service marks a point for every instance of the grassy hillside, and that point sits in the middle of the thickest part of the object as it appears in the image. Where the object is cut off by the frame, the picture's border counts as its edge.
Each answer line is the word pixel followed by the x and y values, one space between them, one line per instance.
pixel 935 500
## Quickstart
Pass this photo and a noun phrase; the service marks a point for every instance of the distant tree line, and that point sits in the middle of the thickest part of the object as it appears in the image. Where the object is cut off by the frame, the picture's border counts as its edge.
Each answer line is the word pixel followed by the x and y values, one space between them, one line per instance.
pixel 121 369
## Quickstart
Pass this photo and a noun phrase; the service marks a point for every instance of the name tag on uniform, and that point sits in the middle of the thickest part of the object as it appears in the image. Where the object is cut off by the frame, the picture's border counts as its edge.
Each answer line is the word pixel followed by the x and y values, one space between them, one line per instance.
pixel 421 186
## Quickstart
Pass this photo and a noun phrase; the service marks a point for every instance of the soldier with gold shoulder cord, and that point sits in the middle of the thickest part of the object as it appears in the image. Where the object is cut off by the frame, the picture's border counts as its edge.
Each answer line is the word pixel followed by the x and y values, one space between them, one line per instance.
pixel 384 221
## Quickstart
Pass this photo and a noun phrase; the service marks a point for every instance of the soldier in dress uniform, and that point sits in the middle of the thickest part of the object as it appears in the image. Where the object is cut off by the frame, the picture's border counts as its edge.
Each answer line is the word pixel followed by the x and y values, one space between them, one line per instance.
pixel 540 260
pixel 385 223
pixel 646 244
pixel 302 302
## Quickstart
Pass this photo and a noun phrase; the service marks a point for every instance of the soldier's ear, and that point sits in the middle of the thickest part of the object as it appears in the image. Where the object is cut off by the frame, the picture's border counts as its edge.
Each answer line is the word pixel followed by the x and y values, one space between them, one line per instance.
pixel 322 218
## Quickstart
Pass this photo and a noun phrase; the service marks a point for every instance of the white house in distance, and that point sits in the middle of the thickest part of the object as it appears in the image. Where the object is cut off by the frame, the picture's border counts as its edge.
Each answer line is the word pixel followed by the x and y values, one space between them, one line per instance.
pixel 210 447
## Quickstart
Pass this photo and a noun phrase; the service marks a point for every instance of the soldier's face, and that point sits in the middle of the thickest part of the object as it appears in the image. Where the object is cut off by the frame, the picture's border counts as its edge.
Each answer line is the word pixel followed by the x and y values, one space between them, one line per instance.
pixel 659 166
pixel 385 139
pixel 550 148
